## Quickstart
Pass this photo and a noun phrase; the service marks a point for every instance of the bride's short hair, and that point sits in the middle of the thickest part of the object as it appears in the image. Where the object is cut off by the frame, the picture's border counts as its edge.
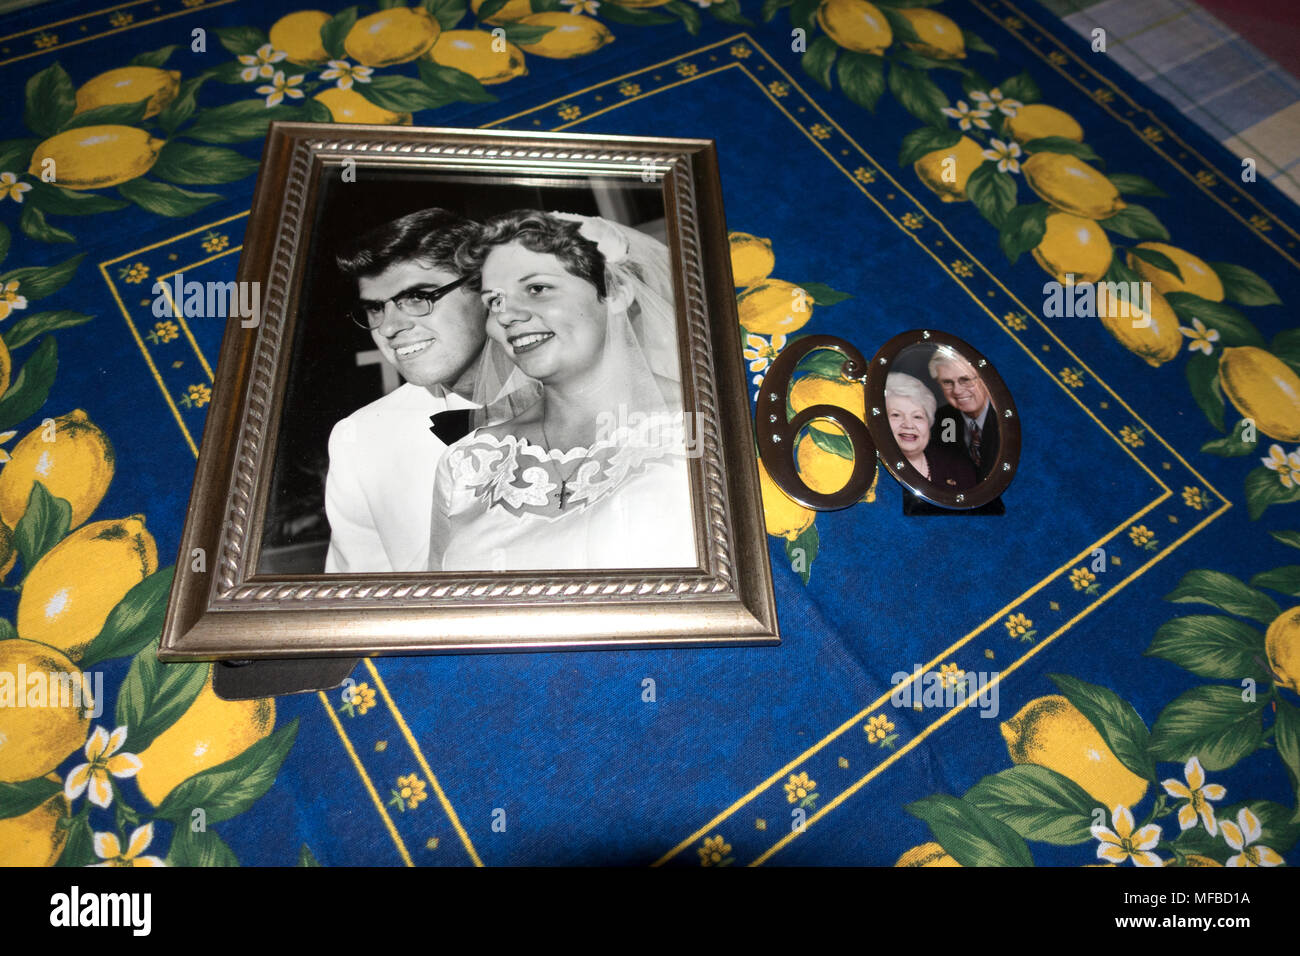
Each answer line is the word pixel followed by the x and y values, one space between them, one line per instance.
pixel 540 232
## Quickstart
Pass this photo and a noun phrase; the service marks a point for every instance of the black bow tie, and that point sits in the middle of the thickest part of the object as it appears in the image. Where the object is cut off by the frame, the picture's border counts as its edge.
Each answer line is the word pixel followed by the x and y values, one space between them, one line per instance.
pixel 452 425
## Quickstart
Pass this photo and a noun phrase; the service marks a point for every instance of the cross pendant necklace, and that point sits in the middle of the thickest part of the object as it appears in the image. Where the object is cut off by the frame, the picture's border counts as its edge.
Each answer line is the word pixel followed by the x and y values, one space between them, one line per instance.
pixel 564 479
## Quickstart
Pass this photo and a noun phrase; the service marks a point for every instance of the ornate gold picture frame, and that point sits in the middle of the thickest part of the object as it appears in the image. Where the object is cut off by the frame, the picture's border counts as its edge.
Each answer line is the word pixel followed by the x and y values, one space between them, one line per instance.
pixel 231 601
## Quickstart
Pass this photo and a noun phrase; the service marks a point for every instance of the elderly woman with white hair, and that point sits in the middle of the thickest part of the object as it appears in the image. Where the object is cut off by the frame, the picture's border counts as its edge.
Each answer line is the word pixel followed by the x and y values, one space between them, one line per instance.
pixel 911 408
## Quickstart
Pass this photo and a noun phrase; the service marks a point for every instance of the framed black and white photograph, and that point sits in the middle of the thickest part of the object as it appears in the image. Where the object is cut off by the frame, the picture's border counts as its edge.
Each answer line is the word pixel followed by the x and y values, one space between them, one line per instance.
pixel 942 420
pixel 493 400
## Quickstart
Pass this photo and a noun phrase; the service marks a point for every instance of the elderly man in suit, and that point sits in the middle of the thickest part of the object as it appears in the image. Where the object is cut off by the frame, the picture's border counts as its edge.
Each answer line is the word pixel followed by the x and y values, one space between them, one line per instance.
pixel 968 420
pixel 430 326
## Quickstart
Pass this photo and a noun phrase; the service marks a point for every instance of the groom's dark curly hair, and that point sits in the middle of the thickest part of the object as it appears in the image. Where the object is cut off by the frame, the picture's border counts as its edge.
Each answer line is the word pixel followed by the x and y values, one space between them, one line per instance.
pixel 540 232
pixel 430 236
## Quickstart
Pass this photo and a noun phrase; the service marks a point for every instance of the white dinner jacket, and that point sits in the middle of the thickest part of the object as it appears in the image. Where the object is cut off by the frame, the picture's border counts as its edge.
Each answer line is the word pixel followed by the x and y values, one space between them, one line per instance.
pixel 379 490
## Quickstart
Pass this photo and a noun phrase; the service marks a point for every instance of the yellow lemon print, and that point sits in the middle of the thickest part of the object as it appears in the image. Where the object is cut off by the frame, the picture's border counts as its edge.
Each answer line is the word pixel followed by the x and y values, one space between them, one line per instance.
pixel 855 25
pixel 513 10
pixel 130 84
pixel 774 307
pixel 1038 121
pixel 948 180
pixel 35 738
pixel 1198 278
pixel 639 4
pixel 927 854
pixel 8 552
pixel 471 52
pixel 1282 644
pixel 68 594
pixel 1071 185
pixel 1263 388
pixel 77 466
pixel 392 36
pixel 96 156
pixel 1072 245
pixel 826 472
pixel 1052 733
pixel 349 106
pixel 1153 335
pixel 940 37
pixel 1196 859
pixel 751 258
pixel 209 733
pixel 6 366
pixel 812 390
pixel 35 838
pixel 783 516
pixel 572 35
pixel 297 34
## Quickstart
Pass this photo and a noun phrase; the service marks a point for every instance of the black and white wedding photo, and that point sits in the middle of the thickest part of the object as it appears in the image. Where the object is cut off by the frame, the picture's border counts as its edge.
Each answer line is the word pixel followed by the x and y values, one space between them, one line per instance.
pixel 484 376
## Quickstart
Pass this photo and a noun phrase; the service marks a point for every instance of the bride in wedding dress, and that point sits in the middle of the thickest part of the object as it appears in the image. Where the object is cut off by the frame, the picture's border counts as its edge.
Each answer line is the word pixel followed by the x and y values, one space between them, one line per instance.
pixel 590 471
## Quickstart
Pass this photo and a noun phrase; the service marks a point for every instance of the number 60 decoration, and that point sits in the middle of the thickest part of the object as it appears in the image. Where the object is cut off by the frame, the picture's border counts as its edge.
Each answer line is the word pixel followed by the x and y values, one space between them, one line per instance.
pixel 938 417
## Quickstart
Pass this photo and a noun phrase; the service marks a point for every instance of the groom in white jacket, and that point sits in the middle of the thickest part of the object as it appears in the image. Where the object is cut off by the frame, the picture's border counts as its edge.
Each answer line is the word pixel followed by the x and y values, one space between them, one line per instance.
pixel 429 325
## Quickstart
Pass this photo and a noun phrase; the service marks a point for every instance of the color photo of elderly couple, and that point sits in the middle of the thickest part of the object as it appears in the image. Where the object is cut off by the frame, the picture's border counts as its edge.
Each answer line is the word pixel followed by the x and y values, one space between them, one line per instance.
pixel 484 377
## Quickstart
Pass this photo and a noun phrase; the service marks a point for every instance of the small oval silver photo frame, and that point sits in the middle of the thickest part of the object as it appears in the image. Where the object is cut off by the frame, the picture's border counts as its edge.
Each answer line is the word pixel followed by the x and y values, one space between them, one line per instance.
pixel 942 420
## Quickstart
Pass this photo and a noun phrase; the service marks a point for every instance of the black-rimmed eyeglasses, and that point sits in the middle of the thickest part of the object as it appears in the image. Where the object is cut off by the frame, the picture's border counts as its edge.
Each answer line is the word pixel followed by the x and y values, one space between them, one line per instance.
pixel 417 303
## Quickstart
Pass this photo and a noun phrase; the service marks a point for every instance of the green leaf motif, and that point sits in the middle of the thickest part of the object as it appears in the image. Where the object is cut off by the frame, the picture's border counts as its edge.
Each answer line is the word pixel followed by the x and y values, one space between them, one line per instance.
pixel 241 40
pixel 1038 803
pixel 1279 829
pixel 1136 222
pixel 1217 589
pixel 802 551
pixel 38 323
pixel 524 34
pixel 80 848
pixel 1243 285
pixel 305 856
pixel 32 222
pixel 457 84
pixel 1158 259
pixel 71 202
pixel 1114 718
pixel 1289 538
pixel 201 165
pixel 239 121
pixel 923 141
pixel 1233 327
pixel 16 154
pixel 36 282
pixel 1232 446
pixel 202 848
pixel 1286 737
pixel 17 799
pixel 154 58
pixel 803 15
pixel 1131 184
pixel 1285 580
pixel 970 835
pixel 229 789
pixel 822 294
pixel 1209 645
pixel 5 239
pixel 43 525
pixel 1202 373
pixel 688 14
pixel 484 12
pixel 900 26
pixel 976 45
pixel 1023 229
pixel 153 696
pixel 448 13
pixel 1060 144
pixel 819 59
pixel 728 11
pixel 770 8
pixel 28 391
pixel 114 114
pixel 165 200
pixel 918 94
pixel 617 14
pixel 1212 723
pixel 1263 489
pixel 862 77
pixel 333 32
pixel 1021 87
pixel 50 100
pixel 402 94
pixel 182 107
pixel 992 192
pixel 134 622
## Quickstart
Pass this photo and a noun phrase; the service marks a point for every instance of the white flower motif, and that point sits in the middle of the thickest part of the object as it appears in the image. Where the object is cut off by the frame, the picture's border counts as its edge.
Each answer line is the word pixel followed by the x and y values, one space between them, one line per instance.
pixel 346 73
pixel 109 849
pixel 1201 336
pixel 966 117
pixel 994 99
pixel 104 762
pixel 1286 466
pixel 279 88
pixel 259 63
pixel 1197 793
pixel 582 6
pixel 1122 843
pixel 1006 155
pixel 11 187
pixel 1241 835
